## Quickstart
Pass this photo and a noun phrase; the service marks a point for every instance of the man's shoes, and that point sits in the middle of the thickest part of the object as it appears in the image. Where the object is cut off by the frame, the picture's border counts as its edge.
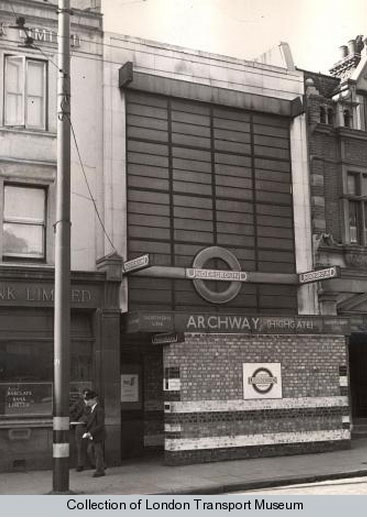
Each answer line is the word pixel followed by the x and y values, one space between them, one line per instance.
pixel 79 469
pixel 99 474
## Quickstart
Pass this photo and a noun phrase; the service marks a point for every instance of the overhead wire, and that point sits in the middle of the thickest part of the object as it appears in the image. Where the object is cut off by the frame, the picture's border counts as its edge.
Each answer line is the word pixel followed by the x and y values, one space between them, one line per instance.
pixel 87 183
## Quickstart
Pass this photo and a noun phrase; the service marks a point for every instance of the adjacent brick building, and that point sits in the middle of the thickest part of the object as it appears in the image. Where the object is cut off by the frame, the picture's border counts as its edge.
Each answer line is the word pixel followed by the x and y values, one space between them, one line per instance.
pixel 337 144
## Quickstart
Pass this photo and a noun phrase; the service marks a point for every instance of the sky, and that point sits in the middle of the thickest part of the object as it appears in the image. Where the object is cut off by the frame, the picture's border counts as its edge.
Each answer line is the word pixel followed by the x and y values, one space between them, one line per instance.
pixel 244 29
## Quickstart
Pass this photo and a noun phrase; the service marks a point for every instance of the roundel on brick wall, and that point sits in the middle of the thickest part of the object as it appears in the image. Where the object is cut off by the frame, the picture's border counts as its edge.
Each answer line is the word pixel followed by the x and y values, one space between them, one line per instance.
pixel 200 276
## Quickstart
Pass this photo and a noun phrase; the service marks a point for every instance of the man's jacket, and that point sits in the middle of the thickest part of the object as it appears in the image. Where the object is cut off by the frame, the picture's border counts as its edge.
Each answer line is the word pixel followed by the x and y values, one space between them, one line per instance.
pixel 78 410
pixel 95 424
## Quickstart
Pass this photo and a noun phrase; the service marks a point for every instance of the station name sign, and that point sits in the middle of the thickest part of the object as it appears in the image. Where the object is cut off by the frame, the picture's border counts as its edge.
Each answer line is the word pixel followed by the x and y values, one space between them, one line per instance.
pixel 319 275
pixel 216 275
pixel 174 322
pixel 135 264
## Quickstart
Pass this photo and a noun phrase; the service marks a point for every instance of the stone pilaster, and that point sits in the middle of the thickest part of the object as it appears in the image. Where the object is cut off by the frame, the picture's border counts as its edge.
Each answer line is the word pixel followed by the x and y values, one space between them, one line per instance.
pixel 108 354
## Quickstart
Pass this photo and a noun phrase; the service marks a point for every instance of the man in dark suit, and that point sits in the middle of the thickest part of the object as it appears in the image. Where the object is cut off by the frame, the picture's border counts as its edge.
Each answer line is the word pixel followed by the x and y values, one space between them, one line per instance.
pixel 79 416
pixel 95 431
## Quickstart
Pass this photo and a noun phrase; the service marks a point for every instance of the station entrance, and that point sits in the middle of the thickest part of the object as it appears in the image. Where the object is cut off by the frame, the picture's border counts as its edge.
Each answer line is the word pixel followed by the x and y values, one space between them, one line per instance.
pixel 358 377
pixel 141 397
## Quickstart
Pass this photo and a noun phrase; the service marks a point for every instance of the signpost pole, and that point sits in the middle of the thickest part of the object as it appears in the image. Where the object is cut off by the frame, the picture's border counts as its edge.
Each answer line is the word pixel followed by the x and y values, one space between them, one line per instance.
pixel 62 261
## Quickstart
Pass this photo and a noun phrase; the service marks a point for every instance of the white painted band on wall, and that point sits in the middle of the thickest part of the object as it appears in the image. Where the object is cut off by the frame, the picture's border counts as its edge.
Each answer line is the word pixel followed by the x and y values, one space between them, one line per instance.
pixel 227 442
pixel 61 450
pixel 343 381
pixel 210 406
pixel 61 423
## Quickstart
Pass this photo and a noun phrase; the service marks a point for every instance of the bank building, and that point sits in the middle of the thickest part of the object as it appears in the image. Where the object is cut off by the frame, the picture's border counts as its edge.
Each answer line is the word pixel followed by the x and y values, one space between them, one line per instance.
pixel 196 312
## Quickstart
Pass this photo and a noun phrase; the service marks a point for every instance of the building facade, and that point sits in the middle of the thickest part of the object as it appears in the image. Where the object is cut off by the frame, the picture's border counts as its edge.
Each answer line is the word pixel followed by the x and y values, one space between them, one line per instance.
pixel 212 165
pixel 27 193
pixel 337 108
pixel 189 314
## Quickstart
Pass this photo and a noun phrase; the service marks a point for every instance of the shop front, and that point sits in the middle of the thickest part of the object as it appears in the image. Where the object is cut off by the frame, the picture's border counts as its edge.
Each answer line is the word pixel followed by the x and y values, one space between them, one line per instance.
pixel 26 360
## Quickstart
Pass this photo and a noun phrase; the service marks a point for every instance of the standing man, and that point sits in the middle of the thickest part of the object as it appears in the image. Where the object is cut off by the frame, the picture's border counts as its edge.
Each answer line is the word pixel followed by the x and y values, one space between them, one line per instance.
pixel 79 412
pixel 95 431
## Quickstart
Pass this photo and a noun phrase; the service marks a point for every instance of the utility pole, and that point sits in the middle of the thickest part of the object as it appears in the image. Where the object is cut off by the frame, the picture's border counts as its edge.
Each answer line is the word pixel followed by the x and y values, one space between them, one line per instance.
pixel 61 445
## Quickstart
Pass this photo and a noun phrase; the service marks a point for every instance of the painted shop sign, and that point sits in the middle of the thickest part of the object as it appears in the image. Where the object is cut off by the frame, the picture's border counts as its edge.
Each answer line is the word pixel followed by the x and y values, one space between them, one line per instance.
pixel 39 34
pixel 319 275
pixel 18 293
pixel 26 399
pixel 262 380
pixel 173 322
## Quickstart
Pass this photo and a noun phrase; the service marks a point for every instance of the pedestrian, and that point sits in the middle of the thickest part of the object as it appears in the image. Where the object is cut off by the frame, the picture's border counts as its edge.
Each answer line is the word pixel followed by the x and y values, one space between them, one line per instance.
pixel 79 412
pixel 95 432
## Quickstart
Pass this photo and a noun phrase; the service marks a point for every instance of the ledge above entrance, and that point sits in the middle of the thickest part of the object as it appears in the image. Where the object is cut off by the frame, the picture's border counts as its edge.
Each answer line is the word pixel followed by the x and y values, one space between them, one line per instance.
pixel 155 84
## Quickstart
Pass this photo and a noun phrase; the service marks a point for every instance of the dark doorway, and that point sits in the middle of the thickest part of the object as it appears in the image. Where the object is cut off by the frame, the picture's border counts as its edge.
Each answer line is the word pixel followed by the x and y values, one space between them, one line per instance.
pixel 358 374
pixel 142 424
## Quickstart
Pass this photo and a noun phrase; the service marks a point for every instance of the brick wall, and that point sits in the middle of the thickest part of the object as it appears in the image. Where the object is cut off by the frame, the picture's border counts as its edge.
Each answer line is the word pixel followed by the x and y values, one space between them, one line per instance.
pixel 325 171
pixel 356 152
pixel 207 418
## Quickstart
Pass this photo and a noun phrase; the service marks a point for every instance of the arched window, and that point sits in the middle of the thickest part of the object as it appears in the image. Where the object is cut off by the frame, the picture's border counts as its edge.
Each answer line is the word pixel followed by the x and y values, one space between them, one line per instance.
pixel 322 114
pixel 330 116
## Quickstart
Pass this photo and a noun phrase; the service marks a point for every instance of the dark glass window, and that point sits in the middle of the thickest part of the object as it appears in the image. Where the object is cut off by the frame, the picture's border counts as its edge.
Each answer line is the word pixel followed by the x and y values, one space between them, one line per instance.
pixel 347 119
pixel 357 206
pixel 32 361
pixel 24 224
pixel 322 114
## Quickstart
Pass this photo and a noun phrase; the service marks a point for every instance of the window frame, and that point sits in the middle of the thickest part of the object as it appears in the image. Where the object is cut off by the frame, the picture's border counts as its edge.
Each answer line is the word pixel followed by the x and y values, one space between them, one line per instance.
pixel 347 117
pixel 6 257
pixel 24 124
pixel 358 198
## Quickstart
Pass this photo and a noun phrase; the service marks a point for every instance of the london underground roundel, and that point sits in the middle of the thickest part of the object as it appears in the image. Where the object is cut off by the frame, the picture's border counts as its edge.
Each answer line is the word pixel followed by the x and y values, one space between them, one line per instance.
pixel 212 296
pixel 262 380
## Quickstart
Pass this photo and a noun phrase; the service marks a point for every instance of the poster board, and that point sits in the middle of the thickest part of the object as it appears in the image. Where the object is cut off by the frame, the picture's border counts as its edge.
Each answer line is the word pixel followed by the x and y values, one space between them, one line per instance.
pixel 131 387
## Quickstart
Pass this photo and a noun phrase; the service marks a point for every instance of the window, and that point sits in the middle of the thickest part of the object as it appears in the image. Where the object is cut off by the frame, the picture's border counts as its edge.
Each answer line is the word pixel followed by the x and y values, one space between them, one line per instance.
pixel 326 115
pixel 322 114
pixel 357 207
pixel 347 118
pixel 24 222
pixel 25 92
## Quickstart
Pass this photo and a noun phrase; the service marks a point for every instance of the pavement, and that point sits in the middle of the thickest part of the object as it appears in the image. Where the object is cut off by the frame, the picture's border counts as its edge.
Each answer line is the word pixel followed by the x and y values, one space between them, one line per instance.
pixel 151 476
